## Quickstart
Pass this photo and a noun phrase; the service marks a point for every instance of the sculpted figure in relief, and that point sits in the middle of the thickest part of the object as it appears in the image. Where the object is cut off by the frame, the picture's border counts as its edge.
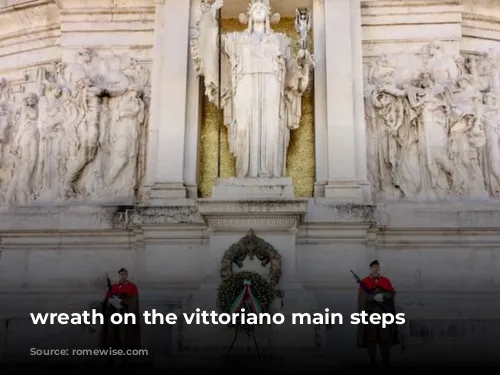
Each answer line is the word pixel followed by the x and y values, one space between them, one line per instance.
pixel 22 188
pixel 488 69
pixel 4 123
pixel 429 101
pixel 7 131
pixel 261 86
pixel 51 121
pixel 84 134
pixel 124 135
pixel 386 116
pixel 491 153
pixel 88 78
pixel 442 67
pixel 104 75
pixel 466 138
pixel 434 137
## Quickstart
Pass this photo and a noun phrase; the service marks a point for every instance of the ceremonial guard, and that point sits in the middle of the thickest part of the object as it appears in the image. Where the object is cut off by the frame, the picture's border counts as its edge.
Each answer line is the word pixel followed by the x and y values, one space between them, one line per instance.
pixel 122 297
pixel 376 295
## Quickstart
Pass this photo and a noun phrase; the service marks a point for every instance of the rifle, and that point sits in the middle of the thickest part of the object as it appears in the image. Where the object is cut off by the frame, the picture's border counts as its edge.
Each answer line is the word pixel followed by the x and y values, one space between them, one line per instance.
pixel 111 294
pixel 369 292
pixel 110 286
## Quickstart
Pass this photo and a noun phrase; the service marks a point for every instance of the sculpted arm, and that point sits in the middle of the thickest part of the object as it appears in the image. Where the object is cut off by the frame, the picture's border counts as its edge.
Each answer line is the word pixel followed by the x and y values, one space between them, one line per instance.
pixel 132 107
pixel 19 134
pixel 205 50
pixel 298 69
pixel 297 77
pixel 375 100
pixel 413 99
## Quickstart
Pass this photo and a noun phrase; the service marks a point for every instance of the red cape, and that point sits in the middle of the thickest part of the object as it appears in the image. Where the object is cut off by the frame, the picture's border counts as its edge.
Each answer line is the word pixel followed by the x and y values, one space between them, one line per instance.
pixel 379 282
pixel 128 288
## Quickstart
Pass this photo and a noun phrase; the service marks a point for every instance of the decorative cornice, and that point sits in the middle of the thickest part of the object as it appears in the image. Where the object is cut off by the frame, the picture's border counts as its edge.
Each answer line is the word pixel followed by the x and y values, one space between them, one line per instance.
pixel 399 3
pixel 28 18
pixel 261 215
pixel 480 17
pixel 24 4
pixel 150 215
pixel 261 223
pixel 55 218
pixel 347 212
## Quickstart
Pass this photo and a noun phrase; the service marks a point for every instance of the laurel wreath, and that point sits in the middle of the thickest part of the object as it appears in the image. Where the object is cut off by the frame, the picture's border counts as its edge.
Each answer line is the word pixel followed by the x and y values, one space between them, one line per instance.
pixel 231 287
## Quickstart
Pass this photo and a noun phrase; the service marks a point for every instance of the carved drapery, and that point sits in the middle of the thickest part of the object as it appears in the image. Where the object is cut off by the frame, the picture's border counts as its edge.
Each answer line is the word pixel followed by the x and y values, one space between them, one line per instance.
pixel 74 131
pixel 301 152
pixel 432 123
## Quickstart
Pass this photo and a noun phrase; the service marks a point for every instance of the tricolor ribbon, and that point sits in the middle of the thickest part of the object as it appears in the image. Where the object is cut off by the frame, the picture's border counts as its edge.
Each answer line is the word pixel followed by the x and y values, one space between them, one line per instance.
pixel 246 298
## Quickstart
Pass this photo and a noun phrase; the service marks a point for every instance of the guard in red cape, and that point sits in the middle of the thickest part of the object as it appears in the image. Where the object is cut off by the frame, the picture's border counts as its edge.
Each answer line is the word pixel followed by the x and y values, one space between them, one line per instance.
pixel 381 300
pixel 121 297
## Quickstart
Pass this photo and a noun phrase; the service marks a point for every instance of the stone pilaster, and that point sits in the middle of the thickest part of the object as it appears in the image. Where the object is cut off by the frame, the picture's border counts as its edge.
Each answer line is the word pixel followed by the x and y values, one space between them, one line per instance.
pixel 347 171
pixel 320 104
pixel 168 113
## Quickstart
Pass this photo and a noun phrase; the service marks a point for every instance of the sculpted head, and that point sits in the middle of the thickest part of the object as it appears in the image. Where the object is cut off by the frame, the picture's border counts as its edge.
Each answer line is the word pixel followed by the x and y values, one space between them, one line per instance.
pixel 384 60
pixel 83 83
pixel 435 47
pixel 133 93
pixel 54 89
pixel 205 5
pixel 31 100
pixel 426 80
pixel 259 12
pixel 58 68
pixel 85 56
pixel 384 98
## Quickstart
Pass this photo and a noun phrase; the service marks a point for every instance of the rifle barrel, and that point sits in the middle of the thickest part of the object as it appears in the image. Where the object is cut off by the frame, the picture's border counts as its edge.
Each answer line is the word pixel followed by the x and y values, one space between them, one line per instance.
pixel 368 291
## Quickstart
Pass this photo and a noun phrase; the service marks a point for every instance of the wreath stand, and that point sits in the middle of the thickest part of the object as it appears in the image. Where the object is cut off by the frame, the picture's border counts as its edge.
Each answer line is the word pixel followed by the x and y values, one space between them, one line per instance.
pixel 252 247
pixel 234 341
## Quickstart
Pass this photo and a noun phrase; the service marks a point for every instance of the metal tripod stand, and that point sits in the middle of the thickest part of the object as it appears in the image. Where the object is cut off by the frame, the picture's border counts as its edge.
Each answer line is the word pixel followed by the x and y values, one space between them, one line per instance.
pixel 234 341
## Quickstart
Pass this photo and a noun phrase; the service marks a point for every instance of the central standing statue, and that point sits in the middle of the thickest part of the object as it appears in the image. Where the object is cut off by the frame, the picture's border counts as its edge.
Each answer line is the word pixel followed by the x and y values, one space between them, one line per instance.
pixel 261 85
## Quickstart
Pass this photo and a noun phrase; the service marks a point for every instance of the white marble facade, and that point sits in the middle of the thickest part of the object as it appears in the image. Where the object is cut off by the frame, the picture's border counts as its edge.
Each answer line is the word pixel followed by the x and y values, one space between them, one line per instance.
pixel 99 120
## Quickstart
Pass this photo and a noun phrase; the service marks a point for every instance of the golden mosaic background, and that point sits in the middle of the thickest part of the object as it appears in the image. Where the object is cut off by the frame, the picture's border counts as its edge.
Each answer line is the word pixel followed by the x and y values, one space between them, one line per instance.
pixel 300 157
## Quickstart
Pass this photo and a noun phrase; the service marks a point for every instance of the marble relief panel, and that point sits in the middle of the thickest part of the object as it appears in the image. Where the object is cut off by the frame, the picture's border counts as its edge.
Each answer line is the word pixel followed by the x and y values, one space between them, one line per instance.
pixel 73 131
pixel 433 125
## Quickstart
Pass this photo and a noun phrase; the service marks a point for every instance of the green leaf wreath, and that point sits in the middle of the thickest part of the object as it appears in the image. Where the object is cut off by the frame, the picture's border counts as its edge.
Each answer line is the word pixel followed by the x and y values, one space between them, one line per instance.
pixel 231 287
